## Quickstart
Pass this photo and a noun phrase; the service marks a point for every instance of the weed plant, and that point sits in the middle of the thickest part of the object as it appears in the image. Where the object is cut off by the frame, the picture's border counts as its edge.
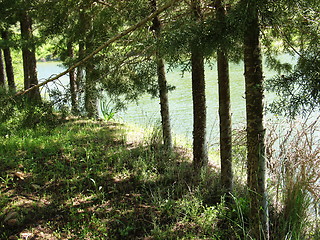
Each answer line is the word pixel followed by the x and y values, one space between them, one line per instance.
pixel 292 150
pixel 293 154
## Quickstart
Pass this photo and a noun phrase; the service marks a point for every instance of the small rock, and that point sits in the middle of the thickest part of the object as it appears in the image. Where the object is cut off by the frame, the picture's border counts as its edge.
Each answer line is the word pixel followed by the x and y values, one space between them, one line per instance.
pixel 13 222
pixel 11 215
pixel 12 219
pixel 26 235
pixel 13 238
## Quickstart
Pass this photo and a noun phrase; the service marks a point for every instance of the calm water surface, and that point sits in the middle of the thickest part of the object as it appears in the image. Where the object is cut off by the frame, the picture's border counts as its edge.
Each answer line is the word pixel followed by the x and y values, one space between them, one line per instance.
pixel 147 112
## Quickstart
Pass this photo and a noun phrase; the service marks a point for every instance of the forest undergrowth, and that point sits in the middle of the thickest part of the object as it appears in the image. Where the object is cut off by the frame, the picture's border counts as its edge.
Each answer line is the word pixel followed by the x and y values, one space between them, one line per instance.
pixel 81 179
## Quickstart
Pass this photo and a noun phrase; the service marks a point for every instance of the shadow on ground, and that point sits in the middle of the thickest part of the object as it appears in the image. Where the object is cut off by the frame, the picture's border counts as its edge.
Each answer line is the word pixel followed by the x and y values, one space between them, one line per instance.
pixel 84 181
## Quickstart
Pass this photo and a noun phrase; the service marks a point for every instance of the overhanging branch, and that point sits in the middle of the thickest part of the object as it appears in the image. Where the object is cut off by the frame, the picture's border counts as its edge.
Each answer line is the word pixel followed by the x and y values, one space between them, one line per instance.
pixel 103 46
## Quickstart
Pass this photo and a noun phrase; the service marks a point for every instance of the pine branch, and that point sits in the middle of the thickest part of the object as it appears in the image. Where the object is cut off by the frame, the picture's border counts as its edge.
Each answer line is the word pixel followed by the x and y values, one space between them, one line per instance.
pixel 103 46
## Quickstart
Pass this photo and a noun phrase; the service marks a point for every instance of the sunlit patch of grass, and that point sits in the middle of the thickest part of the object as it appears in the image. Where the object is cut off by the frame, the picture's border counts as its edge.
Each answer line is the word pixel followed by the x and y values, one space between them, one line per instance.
pixel 85 180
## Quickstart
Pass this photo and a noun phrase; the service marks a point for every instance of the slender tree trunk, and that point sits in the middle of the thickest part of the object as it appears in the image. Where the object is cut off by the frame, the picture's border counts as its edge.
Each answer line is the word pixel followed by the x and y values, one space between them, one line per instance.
pixel 258 221
pixel 224 110
pixel 2 76
pixel 73 84
pixel 80 69
pixel 90 84
pixel 162 83
pixel 29 57
pixel 200 155
pixel 81 54
pixel 90 97
pixel 164 104
pixel 8 62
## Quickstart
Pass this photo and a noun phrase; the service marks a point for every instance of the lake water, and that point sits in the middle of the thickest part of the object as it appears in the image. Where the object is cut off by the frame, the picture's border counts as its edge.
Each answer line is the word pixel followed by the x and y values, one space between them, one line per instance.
pixel 147 112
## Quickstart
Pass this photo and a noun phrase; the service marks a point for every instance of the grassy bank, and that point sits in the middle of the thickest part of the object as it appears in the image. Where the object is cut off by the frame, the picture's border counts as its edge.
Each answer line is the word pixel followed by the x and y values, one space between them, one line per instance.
pixel 83 179
pixel 86 180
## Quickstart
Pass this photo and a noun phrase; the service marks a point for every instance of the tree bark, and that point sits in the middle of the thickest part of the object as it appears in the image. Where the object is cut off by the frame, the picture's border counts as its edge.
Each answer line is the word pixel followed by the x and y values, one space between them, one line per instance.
pixel 256 171
pixel 162 84
pixel 2 76
pixel 164 105
pixel 80 68
pixel 29 57
pixel 81 55
pixel 90 93
pixel 73 84
pixel 8 62
pixel 90 97
pixel 224 110
pixel 200 155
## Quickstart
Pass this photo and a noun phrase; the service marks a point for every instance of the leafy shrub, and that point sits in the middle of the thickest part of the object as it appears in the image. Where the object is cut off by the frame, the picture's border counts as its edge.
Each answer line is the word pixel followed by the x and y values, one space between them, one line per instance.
pixel 18 113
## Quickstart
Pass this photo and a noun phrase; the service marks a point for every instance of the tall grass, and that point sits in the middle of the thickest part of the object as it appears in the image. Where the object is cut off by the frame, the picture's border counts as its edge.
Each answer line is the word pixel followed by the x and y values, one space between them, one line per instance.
pixel 293 152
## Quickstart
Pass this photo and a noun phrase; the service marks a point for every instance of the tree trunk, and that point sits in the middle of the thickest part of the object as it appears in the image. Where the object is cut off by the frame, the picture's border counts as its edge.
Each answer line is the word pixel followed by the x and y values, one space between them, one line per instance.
pixel 162 84
pixel 2 76
pixel 164 105
pixel 29 58
pixel 200 155
pixel 256 171
pixel 90 97
pixel 224 111
pixel 81 55
pixel 80 69
pixel 8 62
pixel 73 84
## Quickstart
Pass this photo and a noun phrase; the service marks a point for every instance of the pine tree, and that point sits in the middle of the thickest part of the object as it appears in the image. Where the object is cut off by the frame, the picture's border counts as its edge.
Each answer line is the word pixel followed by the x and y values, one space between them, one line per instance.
pixel 256 161
pixel 162 83
pixel 224 107
pixel 200 155
pixel 8 62
pixel 29 56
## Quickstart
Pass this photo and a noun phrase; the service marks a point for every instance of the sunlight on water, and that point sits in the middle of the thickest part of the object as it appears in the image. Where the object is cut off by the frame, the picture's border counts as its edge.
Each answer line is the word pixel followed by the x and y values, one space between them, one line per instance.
pixel 147 112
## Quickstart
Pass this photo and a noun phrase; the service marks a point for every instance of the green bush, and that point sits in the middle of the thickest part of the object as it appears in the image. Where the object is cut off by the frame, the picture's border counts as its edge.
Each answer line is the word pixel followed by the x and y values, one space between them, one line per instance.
pixel 19 113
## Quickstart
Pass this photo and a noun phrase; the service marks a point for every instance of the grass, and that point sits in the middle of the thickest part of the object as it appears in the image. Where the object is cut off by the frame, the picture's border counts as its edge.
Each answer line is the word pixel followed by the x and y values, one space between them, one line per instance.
pixel 85 180
pixel 294 179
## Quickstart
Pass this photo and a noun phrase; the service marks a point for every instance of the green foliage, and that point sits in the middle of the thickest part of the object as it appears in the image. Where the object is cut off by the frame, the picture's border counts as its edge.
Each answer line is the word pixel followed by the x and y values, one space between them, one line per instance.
pixel 207 33
pixel 299 90
pixel 107 110
pixel 18 113
pixel 124 83
pixel 295 30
